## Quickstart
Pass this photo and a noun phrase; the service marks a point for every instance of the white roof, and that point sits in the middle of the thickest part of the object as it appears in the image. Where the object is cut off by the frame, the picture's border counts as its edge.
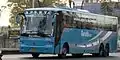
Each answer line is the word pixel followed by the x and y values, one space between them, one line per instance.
pixel 46 8
pixel 58 9
pixel 67 9
pixel 83 10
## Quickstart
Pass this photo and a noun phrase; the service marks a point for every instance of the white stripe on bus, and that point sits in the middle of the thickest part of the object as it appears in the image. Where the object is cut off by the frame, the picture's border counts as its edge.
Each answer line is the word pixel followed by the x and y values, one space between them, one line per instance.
pixel 97 42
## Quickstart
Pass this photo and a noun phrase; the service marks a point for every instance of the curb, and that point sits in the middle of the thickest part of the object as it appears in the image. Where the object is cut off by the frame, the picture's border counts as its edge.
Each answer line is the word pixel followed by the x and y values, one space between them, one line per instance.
pixel 9 50
pixel 4 52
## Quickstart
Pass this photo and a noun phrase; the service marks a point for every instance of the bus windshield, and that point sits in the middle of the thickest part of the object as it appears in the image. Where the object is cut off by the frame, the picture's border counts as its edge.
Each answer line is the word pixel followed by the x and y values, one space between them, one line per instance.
pixel 38 22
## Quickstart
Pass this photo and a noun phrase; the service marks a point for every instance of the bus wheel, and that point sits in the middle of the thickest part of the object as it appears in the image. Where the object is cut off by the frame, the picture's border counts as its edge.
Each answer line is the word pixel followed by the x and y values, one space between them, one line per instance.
pixel 64 51
pixel 107 49
pixel 77 55
pixel 102 51
pixel 95 54
pixel 63 54
pixel 35 55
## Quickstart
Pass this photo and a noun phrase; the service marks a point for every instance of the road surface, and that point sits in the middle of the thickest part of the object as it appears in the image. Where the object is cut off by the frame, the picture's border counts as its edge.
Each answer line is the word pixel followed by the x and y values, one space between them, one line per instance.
pixel 113 56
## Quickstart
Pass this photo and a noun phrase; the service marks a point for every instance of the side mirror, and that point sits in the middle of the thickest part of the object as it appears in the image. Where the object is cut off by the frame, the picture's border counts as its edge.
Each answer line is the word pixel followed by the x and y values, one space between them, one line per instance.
pixel 20 17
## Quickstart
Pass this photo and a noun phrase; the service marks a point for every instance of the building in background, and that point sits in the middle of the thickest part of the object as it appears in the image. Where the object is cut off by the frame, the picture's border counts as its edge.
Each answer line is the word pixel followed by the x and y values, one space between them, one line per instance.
pixel 96 6
pixel 99 7
pixel 99 1
pixel 79 2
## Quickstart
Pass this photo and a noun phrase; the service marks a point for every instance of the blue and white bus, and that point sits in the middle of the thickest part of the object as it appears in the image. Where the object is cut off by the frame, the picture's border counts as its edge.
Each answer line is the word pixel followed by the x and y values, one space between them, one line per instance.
pixel 67 31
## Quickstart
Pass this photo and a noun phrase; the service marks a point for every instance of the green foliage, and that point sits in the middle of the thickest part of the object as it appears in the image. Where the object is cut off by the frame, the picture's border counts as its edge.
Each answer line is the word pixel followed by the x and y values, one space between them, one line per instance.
pixel 19 6
pixel 107 8
pixel 46 3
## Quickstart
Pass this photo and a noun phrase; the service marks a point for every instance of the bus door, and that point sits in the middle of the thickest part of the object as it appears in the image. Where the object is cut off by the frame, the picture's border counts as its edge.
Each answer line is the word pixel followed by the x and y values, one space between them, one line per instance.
pixel 58 28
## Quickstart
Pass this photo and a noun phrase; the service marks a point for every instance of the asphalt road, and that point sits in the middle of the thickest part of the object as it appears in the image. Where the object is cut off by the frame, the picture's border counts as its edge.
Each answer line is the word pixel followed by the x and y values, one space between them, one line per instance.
pixel 113 56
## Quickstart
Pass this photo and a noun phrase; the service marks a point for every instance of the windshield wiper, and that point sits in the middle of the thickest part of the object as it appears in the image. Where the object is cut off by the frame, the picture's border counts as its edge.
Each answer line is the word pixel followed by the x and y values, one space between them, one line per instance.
pixel 38 34
pixel 24 34
pixel 27 34
pixel 42 34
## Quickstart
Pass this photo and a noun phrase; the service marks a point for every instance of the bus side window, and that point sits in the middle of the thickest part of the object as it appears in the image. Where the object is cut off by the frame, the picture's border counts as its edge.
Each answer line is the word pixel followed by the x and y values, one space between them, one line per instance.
pixel 78 24
pixel 88 25
pixel 65 23
pixel 68 21
pixel 114 27
pixel 74 24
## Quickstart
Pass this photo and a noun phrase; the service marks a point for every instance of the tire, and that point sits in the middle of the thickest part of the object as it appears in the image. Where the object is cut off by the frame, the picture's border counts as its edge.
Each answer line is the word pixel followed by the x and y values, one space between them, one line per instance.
pixel 102 51
pixel 107 49
pixel 1 56
pixel 77 55
pixel 64 51
pixel 95 54
pixel 35 55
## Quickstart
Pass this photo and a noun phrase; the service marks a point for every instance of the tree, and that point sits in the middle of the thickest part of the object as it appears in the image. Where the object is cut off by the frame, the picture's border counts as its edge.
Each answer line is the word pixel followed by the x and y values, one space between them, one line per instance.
pixel 47 3
pixel 18 6
pixel 107 8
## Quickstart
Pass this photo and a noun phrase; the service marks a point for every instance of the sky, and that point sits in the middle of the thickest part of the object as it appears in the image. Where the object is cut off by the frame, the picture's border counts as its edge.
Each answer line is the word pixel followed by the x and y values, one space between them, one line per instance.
pixel 4 15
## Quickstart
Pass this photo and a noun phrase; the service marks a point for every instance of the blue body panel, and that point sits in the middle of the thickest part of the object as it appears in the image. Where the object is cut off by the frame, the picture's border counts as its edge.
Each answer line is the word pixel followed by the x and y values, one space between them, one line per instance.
pixel 79 40
pixel 88 41
pixel 39 45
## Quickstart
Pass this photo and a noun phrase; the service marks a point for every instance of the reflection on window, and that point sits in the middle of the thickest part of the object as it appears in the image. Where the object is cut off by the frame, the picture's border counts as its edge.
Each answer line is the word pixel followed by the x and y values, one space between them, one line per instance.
pixel 82 21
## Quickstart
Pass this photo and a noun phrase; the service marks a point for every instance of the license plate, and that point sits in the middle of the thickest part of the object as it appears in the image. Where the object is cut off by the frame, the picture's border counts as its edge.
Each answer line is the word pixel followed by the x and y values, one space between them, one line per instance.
pixel 33 50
